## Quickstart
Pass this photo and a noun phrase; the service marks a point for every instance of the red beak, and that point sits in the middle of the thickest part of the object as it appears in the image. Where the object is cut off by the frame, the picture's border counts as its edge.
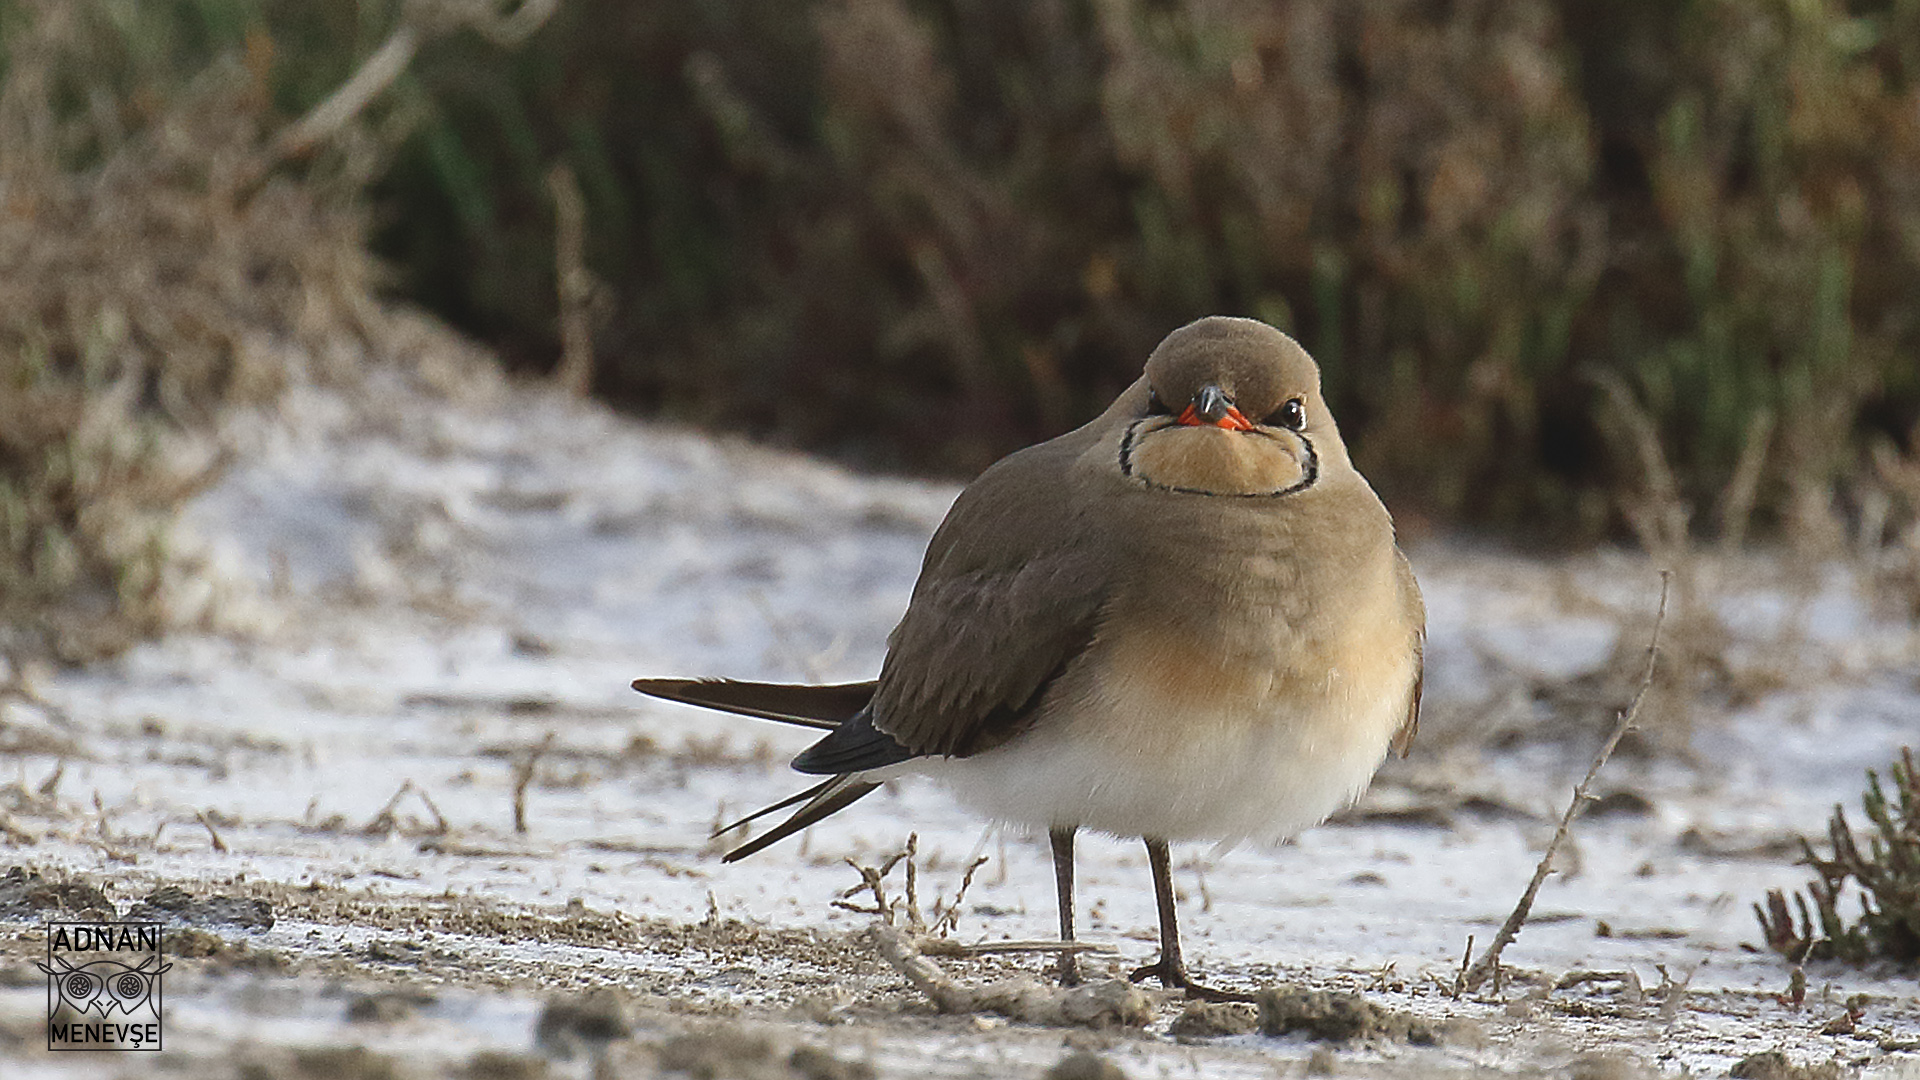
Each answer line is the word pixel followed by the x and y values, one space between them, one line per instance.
pixel 1232 421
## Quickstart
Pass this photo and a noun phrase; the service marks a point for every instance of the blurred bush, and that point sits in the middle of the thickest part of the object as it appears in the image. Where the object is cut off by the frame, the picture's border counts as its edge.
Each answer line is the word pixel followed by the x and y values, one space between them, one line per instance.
pixel 149 278
pixel 920 233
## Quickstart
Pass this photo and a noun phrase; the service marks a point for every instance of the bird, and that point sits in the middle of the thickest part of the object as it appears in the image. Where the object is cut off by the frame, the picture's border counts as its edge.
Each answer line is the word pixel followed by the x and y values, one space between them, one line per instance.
pixel 1187 620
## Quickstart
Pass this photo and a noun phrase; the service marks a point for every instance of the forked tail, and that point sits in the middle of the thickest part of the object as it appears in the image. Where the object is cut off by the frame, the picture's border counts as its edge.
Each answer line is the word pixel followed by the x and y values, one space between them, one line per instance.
pixel 821 707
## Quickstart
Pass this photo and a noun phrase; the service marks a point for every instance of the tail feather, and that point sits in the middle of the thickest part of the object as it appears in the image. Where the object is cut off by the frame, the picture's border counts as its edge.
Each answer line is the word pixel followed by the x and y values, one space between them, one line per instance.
pixel 822 707
pixel 832 797
pixel 781 805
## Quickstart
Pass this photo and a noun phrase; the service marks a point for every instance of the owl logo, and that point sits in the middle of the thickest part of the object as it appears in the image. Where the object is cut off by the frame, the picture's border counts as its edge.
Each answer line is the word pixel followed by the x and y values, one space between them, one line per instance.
pixel 103 986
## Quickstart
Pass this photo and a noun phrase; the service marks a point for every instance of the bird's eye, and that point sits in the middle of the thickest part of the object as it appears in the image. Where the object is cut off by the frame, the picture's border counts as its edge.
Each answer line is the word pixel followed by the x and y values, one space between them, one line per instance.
pixel 1156 407
pixel 1292 415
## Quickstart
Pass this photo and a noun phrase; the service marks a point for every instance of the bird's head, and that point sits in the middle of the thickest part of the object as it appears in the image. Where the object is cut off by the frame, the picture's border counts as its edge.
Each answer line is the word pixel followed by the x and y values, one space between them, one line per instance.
pixel 1232 407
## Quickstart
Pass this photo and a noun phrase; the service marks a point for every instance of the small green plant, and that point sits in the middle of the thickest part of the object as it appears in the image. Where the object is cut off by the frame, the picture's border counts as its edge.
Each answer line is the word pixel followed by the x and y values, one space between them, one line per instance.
pixel 1887 872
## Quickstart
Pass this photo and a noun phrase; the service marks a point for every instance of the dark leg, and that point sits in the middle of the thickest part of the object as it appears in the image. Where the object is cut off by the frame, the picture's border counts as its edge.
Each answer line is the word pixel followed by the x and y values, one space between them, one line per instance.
pixel 1169 969
pixel 1069 969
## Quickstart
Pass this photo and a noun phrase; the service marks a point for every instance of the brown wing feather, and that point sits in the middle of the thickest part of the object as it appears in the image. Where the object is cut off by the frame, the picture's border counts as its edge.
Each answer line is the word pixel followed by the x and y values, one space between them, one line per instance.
pixel 1410 588
pixel 1403 739
pixel 1010 593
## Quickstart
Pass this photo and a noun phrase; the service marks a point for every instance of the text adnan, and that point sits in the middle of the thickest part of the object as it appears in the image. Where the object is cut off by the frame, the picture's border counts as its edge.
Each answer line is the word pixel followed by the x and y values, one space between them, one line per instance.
pixel 109 937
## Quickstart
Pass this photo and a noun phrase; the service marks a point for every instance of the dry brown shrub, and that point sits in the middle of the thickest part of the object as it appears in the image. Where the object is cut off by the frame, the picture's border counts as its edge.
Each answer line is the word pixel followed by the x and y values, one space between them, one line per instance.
pixel 151 282
pixel 1889 527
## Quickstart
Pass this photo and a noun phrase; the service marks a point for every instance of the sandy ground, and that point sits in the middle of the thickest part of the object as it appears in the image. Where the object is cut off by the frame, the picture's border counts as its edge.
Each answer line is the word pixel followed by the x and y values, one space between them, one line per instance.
pixel 423 601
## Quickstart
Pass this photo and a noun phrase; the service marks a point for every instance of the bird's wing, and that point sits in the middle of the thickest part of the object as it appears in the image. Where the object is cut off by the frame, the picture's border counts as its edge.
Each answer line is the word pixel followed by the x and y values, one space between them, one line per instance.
pixel 855 746
pixel 1403 739
pixel 1009 595
pixel 824 707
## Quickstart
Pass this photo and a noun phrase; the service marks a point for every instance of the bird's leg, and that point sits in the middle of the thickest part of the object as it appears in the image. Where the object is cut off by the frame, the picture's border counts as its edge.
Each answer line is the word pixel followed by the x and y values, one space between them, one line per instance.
pixel 1069 969
pixel 1169 969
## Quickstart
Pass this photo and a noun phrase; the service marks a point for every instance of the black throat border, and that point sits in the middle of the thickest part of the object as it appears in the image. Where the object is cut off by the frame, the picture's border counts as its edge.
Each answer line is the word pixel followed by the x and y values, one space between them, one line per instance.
pixel 1309 474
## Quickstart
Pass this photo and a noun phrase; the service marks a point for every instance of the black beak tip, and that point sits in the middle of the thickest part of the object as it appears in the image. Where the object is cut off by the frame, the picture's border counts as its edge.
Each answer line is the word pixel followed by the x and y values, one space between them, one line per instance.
pixel 1211 402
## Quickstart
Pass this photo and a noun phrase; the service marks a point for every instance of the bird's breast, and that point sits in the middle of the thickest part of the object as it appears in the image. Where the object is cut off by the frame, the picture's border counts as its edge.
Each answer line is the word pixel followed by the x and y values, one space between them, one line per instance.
pixel 1250 722
pixel 1160 685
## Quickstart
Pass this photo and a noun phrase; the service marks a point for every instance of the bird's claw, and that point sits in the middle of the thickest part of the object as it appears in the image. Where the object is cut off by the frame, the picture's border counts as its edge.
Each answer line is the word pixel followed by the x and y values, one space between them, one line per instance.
pixel 1175 977
pixel 1068 971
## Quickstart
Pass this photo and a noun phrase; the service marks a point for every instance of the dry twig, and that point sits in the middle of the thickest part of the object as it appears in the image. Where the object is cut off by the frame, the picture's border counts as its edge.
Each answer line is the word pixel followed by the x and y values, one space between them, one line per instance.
pixel 1510 929
pixel 906 944
pixel 1736 502
pixel 1673 992
pixel 523 776
pixel 13 835
pixel 423 19
pixel 1460 976
pixel 385 822
pixel 1111 1002
pixel 949 919
pixel 213 834
pixel 873 880
pixel 325 119
pixel 573 282
pixel 946 947
pixel 51 784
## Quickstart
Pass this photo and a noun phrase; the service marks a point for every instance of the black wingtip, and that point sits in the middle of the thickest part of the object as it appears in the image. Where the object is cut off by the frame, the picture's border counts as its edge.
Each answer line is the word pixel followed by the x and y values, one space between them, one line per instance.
pixel 855 746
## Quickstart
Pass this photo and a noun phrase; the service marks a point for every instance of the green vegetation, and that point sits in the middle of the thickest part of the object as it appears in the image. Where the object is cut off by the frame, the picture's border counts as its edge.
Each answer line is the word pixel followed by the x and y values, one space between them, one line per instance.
pixel 919 234
pixel 1532 241
pixel 1887 874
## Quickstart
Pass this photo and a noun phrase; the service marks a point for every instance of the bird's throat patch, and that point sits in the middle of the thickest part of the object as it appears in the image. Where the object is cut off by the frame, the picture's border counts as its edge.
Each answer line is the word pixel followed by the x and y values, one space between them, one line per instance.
pixel 1213 461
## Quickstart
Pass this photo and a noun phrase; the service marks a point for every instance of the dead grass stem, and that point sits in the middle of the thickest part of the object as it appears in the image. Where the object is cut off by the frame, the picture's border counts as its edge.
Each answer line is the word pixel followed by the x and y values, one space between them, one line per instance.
pixel 574 282
pixel 523 778
pixel 1106 1003
pixel 387 820
pixel 1890 527
pixel 1661 519
pixel 1489 962
pixel 930 938
pixel 213 834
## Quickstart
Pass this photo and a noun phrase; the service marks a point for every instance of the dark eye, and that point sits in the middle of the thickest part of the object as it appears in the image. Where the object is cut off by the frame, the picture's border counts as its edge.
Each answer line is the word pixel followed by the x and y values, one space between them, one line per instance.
pixel 1156 407
pixel 1292 415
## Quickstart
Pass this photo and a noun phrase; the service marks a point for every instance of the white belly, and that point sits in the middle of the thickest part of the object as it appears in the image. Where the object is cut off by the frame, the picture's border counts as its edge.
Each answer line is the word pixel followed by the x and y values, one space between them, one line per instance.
pixel 1137 761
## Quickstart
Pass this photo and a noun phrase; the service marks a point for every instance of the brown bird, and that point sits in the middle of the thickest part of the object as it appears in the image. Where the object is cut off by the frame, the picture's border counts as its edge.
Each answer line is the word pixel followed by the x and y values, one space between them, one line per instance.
pixel 1186 620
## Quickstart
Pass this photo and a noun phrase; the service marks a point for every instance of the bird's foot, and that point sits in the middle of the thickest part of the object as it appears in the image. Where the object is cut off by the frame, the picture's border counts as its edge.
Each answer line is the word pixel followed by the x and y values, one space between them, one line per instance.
pixel 1174 977
pixel 1068 970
